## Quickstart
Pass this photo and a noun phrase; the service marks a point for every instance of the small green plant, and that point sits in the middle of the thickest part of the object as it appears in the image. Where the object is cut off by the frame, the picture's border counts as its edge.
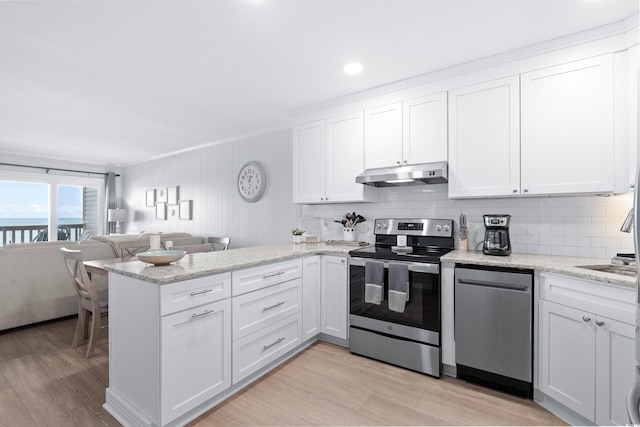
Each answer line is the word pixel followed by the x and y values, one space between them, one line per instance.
pixel 297 231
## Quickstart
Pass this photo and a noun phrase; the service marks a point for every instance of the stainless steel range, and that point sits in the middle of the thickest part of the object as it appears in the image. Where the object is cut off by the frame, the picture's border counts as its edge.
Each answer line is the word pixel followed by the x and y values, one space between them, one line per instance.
pixel 394 286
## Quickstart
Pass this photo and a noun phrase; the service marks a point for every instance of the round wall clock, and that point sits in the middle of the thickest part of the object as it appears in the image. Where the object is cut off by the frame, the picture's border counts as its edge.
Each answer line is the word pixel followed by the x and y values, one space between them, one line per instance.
pixel 252 180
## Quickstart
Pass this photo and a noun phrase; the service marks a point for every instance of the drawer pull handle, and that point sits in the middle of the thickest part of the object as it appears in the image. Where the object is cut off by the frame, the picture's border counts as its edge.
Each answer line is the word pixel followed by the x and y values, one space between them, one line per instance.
pixel 266 347
pixel 204 313
pixel 278 304
pixel 599 323
pixel 586 318
pixel 206 291
pixel 279 273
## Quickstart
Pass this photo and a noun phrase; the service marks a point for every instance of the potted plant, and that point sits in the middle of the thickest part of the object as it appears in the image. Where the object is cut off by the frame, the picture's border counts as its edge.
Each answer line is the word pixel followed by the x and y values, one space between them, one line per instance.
pixel 297 234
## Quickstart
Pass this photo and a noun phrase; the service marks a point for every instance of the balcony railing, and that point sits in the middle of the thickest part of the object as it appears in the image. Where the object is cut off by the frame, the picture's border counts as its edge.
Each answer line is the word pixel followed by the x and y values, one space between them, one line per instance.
pixel 38 232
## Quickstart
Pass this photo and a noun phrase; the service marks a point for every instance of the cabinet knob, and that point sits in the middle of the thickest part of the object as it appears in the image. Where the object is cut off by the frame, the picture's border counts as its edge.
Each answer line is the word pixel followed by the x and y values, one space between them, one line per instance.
pixel 405 162
pixel 632 185
pixel 398 162
pixel 586 318
pixel 525 190
pixel 599 322
pixel 515 190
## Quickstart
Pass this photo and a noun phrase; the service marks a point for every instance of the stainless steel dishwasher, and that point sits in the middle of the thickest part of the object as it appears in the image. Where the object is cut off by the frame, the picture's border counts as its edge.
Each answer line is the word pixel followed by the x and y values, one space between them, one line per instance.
pixel 493 327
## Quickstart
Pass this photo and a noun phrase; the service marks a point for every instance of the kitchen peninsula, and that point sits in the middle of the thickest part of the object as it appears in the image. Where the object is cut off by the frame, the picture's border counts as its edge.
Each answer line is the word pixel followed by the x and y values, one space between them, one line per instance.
pixel 185 336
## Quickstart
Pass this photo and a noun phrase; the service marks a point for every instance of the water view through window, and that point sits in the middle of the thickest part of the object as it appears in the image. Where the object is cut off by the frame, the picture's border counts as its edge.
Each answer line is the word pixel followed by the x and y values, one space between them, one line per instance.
pixel 25 210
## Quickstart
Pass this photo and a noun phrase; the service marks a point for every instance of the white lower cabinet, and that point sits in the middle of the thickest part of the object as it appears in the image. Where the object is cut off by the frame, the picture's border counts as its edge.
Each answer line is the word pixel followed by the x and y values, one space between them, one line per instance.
pixel 615 347
pixel 255 310
pixel 257 350
pixel 334 300
pixel 196 357
pixel 311 280
pixel 586 359
pixel 178 349
pixel 267 318
pixel 169 348
pixel 567 357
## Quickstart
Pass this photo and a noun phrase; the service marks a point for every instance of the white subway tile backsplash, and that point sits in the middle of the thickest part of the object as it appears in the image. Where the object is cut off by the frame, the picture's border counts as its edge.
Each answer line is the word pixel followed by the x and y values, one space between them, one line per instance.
pixel 550 220
pixel 592 252
pixel 552 240
pixel 578 241
pixel 539 249
pixel 592 231
pixel 591 211
pixel 564 251
pixel 607 221
pixel 564 211
pixel 578 220
pixel 559 230
pixel 551 201
pixel 572 225
pixel 606 242
pixel 526 239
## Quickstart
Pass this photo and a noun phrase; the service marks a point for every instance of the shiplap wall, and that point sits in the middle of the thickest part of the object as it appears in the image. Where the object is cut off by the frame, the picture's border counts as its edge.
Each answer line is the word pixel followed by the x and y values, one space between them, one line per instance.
pixel 208 177
pixel 575 226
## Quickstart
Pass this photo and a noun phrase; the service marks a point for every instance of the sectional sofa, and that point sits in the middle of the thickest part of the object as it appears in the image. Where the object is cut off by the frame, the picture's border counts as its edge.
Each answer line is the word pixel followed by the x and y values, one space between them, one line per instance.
pixel 35 285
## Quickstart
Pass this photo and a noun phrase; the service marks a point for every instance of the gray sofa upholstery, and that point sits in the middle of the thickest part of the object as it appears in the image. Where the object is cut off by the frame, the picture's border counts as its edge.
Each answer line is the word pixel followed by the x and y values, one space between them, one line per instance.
pixel 35 285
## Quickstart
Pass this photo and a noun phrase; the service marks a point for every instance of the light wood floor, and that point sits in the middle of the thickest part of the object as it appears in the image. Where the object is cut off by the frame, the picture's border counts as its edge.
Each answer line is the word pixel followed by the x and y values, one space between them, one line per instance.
pixel 44 382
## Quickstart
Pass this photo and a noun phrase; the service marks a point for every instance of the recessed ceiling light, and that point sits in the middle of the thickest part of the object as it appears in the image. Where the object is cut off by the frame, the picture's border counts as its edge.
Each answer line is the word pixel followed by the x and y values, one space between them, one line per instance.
pixel 353 68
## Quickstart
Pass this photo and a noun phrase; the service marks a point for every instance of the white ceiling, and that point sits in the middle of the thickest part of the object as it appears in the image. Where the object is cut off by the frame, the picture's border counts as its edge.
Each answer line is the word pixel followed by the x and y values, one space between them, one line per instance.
pixel 120 82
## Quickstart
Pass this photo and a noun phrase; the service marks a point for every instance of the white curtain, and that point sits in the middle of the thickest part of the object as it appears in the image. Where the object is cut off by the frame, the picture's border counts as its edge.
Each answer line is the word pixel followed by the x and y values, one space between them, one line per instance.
pixel 111 202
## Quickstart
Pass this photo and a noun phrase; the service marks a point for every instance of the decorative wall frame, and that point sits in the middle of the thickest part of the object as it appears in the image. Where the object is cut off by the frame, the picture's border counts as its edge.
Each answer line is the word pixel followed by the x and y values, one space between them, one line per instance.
pixel 172 196
pixel 185 209
pixel 161 195
pixel 161 210
pixel 151 198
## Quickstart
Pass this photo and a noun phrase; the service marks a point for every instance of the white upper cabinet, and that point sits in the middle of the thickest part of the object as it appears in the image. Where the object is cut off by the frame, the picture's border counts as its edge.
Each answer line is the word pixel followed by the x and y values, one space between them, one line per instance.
pixel 383 136
pixel 327 157
pixel 345 158
pixel 549 131
pixel 309 162
pixel 424 129
pixel 484 139
pixel 405 133
pixel 567 128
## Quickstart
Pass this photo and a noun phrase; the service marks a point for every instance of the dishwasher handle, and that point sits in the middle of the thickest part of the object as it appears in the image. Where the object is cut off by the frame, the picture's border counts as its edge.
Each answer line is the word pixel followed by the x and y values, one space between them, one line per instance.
pixel 504 286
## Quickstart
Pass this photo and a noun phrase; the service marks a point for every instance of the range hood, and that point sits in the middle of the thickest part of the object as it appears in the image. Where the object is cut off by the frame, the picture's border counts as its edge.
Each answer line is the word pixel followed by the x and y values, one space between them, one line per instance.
pixel 425 173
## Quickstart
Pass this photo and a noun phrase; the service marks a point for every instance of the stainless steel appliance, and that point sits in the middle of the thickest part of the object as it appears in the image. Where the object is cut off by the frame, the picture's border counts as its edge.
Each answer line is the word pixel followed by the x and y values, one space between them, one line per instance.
pixel 425 173
pixel 496 235
pixel 494 327
pixel 633 223
pixel 409 335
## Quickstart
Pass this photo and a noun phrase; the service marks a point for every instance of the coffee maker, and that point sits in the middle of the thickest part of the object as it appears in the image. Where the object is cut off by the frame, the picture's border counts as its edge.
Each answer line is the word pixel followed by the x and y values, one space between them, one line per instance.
pixel 496 235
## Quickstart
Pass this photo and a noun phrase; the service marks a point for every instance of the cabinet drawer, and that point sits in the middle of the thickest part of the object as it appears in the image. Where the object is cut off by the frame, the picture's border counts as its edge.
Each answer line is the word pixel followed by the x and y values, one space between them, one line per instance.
pixel 255 310
pixel 614 302
pixel 255 278
pixel 192 293
pixel 255 351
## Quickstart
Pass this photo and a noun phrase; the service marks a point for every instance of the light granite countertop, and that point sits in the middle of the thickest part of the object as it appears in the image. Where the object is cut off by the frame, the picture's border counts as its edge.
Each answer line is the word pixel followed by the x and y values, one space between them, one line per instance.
pixel 207 263
pixel 553 264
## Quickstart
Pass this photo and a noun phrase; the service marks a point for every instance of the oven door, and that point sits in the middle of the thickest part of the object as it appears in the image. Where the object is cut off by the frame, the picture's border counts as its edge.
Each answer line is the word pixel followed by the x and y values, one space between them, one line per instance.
pixel 420 320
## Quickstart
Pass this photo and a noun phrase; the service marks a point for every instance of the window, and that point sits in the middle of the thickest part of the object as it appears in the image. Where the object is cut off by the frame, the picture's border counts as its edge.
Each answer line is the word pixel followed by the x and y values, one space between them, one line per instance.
pixel 31 205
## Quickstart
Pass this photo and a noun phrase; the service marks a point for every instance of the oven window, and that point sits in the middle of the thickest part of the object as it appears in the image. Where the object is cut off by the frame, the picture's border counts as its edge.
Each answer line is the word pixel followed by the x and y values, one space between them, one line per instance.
pixel 421 311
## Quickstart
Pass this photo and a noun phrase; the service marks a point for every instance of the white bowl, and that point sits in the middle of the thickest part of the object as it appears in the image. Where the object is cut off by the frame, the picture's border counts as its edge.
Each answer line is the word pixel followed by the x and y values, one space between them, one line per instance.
pixel 160 257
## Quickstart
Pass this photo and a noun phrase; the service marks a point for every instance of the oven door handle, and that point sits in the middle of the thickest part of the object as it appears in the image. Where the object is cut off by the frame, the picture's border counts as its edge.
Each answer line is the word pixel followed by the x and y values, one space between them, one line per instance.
pixel 428 268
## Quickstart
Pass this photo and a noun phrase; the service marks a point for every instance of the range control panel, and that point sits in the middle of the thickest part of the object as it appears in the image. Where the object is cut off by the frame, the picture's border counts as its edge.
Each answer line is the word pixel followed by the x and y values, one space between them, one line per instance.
pixel 415 227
